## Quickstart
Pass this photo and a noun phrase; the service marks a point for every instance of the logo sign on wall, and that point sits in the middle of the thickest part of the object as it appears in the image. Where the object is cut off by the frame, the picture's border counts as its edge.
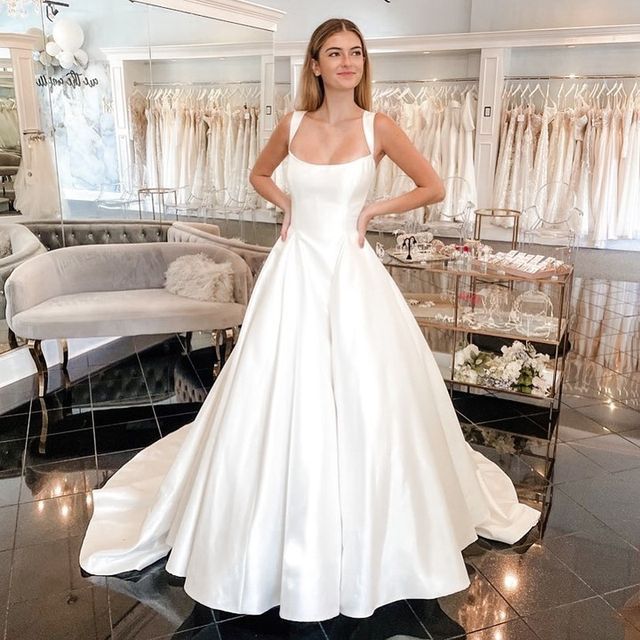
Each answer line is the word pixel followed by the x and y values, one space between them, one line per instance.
pixel 71 79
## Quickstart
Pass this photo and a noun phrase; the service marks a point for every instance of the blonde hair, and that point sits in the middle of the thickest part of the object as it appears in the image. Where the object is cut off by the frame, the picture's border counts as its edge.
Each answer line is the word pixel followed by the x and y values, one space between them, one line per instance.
pixel 311 94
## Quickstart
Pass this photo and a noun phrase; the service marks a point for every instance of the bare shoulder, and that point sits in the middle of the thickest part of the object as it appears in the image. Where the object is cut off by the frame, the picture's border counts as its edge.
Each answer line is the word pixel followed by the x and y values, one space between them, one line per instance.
pixel 385 125
pixel 385 128
pixel 285 122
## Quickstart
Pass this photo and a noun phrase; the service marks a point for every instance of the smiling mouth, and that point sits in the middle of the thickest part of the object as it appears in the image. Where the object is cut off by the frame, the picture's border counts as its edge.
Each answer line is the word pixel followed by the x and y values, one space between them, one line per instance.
pixel 347 73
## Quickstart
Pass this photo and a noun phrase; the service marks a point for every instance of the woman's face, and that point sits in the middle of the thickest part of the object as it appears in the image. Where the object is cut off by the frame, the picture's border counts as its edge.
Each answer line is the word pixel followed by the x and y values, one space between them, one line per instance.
pixel 340 61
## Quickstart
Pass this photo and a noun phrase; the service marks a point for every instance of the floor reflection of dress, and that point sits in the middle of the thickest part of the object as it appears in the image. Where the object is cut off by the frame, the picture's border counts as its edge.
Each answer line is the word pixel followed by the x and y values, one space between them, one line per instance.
pixel 162 601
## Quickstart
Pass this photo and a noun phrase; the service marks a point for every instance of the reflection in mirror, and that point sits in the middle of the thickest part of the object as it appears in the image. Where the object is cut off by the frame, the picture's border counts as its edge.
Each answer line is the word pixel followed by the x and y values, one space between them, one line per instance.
pixel 9 163
pixel 155 116
pixel 10 152
pixel 28 184
pixel 204 103
pixel 162 121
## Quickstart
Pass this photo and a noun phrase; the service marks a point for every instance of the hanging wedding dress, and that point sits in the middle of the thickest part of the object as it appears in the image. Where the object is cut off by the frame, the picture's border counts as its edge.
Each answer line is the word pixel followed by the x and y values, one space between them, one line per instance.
pixel 345 483
pixel 629 176
pixel 467 163
pixel 36 182
pixel 528 155
pixel 501 183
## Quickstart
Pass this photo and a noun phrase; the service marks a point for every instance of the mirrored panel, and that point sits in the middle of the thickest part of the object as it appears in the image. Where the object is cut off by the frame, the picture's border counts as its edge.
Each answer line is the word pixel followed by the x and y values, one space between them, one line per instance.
pixel 10 146
pixel 205 104
pixel 146 116
pixel 28 181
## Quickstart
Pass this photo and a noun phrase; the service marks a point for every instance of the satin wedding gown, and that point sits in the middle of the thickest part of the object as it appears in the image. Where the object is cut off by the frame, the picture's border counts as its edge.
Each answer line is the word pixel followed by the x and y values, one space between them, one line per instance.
pixel 326 471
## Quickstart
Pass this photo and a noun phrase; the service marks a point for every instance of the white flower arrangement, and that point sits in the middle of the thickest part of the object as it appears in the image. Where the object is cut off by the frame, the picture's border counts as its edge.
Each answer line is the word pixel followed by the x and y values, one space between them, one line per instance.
pixel 519 368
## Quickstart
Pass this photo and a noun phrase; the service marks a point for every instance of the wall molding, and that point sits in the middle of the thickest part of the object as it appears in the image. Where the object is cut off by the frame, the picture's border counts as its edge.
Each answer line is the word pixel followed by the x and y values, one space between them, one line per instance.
pixel 189 51
pixel 563 36
pixel 236 11
pixel 471 41
pixel 19 41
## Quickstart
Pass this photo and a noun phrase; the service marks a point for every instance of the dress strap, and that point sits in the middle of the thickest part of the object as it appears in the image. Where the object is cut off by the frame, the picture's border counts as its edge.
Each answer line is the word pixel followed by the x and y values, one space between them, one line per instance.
pixel 368 118
pixel 296 119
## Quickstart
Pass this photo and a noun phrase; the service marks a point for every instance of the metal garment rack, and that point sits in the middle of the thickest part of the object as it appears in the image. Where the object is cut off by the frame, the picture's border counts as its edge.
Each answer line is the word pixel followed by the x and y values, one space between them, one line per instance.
pixel 201 84
pixel 612 76
pixel 427 81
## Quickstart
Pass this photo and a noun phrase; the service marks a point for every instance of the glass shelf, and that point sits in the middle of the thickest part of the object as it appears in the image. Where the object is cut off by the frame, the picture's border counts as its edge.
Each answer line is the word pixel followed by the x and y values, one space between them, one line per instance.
pixel 446 265
pixel 484 303
pixel 425 317
pixel 549 398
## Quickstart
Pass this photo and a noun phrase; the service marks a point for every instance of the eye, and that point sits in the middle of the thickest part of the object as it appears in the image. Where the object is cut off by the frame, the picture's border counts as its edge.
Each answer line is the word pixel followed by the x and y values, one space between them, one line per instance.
pixel 357 53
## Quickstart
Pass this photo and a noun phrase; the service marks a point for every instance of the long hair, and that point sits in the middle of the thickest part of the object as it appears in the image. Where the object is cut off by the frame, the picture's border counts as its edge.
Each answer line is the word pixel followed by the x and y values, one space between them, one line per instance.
pixel 311 93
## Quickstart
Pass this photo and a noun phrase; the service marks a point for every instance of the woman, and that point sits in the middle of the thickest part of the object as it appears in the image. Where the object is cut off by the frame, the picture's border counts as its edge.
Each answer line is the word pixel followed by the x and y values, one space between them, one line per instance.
pixel 326 471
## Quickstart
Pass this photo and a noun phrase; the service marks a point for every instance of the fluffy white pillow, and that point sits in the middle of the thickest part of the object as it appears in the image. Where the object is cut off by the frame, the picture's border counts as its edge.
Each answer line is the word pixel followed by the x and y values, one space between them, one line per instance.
pixel 5 244
pixel 201 278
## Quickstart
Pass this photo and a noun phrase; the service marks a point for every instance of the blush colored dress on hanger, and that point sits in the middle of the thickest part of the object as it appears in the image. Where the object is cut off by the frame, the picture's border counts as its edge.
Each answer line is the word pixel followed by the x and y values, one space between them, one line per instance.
pixel 326 471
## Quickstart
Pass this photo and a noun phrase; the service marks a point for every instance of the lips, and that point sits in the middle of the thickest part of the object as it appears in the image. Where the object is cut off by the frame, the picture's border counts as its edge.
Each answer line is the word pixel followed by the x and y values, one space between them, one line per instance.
pixel 347 73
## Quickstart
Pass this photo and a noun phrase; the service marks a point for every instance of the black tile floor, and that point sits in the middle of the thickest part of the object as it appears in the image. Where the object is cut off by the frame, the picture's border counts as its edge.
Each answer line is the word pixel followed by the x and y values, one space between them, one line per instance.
pixel 576 577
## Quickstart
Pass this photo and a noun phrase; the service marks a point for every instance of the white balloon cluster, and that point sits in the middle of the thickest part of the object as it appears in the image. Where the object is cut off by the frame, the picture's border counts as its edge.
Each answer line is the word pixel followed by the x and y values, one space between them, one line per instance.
pixel 62 48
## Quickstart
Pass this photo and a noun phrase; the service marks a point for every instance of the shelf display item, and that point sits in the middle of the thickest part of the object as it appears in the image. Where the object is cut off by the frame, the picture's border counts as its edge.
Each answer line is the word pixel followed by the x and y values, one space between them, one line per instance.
pixel 528 265
pixel 532 314
pixel 519 368
pixel 496 307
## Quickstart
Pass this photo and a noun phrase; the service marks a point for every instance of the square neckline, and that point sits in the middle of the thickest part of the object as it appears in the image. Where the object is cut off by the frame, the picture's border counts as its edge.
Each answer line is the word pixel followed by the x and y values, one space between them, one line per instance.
pixel 331 164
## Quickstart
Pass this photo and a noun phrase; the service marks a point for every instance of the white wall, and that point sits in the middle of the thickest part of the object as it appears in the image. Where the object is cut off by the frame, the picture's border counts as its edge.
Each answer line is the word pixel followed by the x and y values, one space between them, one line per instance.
pixel 120 23
pixel 496 15
pixel 374 17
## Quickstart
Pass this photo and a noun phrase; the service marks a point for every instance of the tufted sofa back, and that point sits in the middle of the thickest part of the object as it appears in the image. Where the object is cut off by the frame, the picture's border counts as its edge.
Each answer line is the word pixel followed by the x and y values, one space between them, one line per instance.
pixel 85 232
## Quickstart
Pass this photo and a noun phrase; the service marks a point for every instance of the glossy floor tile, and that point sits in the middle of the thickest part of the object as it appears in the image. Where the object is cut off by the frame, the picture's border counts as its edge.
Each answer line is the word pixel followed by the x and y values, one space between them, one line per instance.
pixel 591 619
pixel 576 576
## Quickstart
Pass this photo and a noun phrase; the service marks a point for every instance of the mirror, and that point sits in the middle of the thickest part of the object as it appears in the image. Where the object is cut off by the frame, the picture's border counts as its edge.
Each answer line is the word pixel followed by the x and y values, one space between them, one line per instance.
pixel 152 115
pixel 10 152
pixel 166 118
pixel 203 106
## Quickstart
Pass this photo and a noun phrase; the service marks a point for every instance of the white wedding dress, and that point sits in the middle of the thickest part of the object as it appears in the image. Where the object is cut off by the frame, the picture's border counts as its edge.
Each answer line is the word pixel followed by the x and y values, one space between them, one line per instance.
pixel 326 471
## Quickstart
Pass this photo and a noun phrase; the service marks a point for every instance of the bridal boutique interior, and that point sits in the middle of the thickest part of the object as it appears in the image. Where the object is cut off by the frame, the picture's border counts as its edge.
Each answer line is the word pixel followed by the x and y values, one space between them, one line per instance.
pixel 145 136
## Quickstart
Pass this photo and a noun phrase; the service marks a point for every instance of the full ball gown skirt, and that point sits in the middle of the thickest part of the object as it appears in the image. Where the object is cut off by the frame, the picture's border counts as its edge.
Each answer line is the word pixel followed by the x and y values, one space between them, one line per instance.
pixel 326 471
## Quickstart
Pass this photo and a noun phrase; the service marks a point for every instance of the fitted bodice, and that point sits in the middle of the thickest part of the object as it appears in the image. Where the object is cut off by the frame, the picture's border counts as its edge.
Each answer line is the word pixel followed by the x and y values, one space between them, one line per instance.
pixel 327 198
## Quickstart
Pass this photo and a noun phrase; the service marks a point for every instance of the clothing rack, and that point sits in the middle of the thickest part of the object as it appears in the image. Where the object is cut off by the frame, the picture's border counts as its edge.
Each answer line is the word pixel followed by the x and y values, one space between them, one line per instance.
pixel 574 76
pixel 430 80
pixel 199 84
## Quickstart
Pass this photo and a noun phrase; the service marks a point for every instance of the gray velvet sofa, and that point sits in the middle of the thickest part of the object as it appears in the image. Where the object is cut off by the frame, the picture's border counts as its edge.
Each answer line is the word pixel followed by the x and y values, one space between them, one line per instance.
pixel 114 290
pixel 198 232
pixel 24 245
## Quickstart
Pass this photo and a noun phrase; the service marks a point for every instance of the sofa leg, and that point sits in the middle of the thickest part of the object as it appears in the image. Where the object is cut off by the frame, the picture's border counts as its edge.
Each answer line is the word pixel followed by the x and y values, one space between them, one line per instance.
pixel 187 341
pixel 35 349
pixel 44 429
pixel 65 363
pixel 65 353
pixel 13 341
pixel 218 337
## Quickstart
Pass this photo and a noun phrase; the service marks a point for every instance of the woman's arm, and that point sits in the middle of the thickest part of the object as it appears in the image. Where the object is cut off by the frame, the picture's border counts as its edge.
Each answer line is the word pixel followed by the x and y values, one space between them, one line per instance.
pixel 393 142
pixel 271 156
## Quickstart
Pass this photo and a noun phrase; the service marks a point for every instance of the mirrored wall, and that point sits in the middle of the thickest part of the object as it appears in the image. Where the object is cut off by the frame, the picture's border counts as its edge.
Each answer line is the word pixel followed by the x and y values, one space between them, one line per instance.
pixel 143 116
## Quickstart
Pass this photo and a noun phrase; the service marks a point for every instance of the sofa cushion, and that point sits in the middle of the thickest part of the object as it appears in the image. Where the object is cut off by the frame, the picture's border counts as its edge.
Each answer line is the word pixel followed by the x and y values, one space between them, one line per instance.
pixel 201 278
pixel 253 255
pixel 5 244
pixel 123 313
